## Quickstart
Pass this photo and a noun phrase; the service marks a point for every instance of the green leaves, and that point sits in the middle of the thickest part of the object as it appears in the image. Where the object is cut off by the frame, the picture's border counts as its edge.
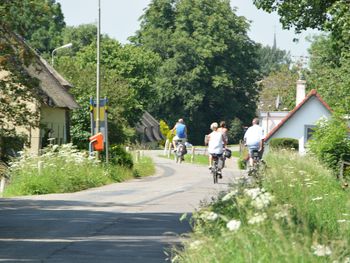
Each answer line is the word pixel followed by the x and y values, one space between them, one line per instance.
pixel 208 62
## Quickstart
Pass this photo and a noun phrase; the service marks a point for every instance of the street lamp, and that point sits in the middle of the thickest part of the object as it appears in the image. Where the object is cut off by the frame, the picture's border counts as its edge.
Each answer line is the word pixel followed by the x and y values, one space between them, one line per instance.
pixel 69 45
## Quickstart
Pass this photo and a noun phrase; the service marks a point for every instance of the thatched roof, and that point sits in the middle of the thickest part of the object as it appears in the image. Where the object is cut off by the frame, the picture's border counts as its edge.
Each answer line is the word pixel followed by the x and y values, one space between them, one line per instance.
pixel 148 127
pixel 53 86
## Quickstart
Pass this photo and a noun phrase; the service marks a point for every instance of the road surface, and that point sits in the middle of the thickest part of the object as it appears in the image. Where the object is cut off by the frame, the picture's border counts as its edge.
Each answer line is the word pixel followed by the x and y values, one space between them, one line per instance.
pixel 134 221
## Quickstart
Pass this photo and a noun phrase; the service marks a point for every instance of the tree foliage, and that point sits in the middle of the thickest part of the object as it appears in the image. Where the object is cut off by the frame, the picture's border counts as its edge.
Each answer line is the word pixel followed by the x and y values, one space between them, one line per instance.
pixel 272 59
pixel 330 142
pixel 40 22
pixel 209 67
pixel 330 73
pixel 126 79
pixel 278 88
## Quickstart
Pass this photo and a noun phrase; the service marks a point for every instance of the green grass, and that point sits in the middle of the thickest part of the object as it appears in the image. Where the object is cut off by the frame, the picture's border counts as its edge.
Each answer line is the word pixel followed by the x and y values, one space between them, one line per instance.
pixel 68 170
pixel 144 167
pixel 315 211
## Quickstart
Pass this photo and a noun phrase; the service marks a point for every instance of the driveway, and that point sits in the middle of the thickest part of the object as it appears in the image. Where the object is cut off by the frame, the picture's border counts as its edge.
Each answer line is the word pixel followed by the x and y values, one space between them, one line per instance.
pixel 134 221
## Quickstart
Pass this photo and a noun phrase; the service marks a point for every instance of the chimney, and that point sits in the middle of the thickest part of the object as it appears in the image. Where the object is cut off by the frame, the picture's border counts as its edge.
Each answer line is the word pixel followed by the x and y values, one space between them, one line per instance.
pixel 301 86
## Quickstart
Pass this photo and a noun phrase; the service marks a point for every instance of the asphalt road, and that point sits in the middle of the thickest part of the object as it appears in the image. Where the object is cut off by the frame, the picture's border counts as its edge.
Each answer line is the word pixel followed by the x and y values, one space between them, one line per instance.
pixel 134 221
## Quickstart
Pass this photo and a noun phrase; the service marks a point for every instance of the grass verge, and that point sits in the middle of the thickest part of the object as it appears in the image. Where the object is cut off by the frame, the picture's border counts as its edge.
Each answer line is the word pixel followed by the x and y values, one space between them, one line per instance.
pixel 65 169
pixel 299 214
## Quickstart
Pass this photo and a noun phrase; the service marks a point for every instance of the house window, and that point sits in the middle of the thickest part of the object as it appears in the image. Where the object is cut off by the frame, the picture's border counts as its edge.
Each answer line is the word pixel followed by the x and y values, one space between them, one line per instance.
pixel 309 130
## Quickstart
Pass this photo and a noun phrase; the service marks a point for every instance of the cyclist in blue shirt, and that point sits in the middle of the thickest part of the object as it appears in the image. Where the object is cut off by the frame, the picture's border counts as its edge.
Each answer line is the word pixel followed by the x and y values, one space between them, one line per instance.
pixel 181 132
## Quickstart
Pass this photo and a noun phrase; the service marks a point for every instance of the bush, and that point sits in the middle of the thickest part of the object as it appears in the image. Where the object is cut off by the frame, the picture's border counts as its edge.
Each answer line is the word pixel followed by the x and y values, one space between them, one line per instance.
pixel 119 156
pixel 284 143
pixel 330 142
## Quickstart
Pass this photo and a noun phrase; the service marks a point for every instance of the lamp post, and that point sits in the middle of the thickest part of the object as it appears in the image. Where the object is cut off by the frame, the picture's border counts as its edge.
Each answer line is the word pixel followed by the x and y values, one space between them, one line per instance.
pixel 69 45
pixel 98 70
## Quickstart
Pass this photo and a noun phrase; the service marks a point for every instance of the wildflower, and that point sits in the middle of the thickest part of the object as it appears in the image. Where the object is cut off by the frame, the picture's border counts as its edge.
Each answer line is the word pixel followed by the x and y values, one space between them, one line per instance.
pixel 253 192
pixel 257 218
pixel 196 244
pixel 317 198
pixel 291 185
pixel 281 214
pixel 342 220
pixel 321 250
pixel 301 172
pixel 307 179
pixel 211 216
pixel 262 201
pixel 233 225
pixel 229 195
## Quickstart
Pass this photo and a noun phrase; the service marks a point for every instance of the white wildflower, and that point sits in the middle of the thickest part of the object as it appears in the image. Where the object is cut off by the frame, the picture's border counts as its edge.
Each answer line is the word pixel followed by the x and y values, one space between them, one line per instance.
pixel 281 214
pixel 233 225
pixel 321 250
pixel 317 198
pixel 345 214
pixel 211 216
pixel 257 218
pixel 347 260
pixel 342 221
pixel 196 244
pixel 253 192
pixel 229 195
pixel 307 179
pixel 291 185
pixel 262 201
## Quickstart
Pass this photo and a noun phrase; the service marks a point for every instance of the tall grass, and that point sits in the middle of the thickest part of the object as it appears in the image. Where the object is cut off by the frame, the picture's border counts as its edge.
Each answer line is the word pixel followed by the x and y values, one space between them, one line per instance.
pixel 64 169
pixel 300 215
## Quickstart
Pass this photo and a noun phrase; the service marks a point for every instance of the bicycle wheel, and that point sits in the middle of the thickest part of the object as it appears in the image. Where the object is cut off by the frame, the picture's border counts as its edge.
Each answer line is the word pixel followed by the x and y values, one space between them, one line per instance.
pixel 215 174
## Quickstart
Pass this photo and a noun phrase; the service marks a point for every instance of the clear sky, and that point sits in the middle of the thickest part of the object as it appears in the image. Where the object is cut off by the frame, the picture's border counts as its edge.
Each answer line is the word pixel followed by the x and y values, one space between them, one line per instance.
pixel 120 19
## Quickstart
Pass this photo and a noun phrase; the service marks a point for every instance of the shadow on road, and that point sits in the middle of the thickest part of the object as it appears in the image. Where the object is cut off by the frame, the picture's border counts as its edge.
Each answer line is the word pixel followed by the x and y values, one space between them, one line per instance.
pixel 61 231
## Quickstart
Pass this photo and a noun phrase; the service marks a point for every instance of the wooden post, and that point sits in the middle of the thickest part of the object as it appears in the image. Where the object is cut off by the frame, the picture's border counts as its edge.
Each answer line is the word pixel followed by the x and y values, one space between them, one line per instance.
pixel 2 185
pixel 193 152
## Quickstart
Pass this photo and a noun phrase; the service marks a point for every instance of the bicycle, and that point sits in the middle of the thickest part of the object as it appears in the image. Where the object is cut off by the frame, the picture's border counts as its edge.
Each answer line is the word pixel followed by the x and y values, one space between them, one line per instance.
pixel 217 165
pixel 181 150
pixel 257 162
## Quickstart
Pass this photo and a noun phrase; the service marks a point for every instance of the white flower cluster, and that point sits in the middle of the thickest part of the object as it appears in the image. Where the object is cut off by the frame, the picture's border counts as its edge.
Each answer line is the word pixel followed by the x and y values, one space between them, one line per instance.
pixel 66 153
pixel 257 218
pixel 196 244
pixel 317 198
pixel 211 216
pixel 229 195
pixel 260 197
pixel 233 225
pixel 321 250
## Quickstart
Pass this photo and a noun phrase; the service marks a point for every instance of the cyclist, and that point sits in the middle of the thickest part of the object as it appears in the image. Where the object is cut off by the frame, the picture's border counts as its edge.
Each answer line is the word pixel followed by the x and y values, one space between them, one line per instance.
pixel 254 139
pixel 216 143
pixel 181 133
pixel 223 130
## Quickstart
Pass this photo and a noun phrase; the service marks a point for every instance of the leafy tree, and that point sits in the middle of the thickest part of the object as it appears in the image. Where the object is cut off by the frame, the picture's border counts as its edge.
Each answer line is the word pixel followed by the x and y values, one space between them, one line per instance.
pixel 330 73
pixel 278 84
pixel 330 142
pixel 40 22
pixel 209 67
pixel 126 79
pixel 80 36
pixel 272 59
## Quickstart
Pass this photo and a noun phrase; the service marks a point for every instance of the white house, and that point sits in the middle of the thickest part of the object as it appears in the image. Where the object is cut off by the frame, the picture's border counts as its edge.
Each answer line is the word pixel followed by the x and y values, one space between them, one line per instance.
pixel 299 122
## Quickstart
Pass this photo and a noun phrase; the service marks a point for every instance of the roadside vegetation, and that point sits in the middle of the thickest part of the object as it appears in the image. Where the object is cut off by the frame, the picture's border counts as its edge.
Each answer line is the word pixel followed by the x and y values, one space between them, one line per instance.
pixel 62 169
pixel 298 213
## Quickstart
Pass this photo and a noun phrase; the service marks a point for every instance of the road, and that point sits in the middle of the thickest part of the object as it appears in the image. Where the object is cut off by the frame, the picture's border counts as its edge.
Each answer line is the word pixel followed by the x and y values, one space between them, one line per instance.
pixel 134 221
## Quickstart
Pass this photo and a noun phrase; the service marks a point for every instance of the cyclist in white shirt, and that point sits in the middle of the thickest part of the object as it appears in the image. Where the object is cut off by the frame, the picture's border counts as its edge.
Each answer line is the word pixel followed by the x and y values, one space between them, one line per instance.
pixel 254 139
pixel 216 142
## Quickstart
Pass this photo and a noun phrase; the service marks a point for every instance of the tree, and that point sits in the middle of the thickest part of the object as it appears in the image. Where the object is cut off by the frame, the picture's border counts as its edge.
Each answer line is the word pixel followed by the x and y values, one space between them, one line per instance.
pixel 209 67
pixel 272 59
pixel 40 22
pixel 80 36
pixel 327 15
pixel 330 73
pixel 278 88
pixel 126 79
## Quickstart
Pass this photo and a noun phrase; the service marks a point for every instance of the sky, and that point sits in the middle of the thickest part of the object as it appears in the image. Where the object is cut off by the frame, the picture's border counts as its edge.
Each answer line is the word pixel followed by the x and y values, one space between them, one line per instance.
pixel 120 19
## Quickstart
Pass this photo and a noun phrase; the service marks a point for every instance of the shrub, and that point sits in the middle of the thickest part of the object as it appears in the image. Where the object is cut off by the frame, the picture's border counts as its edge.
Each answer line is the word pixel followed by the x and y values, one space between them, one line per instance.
pixel 284 143
pixel 330 142
pixel 119 156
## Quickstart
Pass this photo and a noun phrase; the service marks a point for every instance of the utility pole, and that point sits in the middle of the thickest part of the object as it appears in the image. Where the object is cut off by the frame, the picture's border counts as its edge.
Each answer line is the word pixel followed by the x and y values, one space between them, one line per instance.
pixel 98 70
